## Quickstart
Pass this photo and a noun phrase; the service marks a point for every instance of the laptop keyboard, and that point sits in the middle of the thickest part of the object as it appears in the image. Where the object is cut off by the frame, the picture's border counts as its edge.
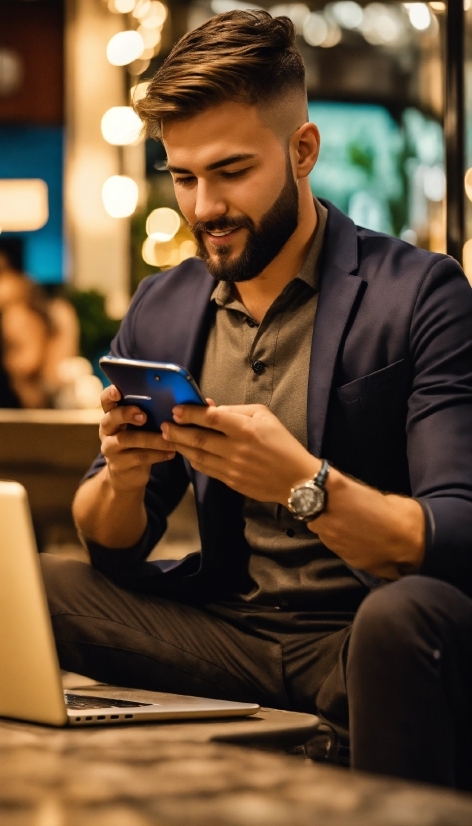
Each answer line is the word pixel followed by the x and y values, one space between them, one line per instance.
pixel 79 701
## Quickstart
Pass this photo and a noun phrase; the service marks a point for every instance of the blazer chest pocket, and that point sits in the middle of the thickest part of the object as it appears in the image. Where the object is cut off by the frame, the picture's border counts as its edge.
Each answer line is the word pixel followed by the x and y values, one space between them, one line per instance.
pixel 374 409
pixel 384 382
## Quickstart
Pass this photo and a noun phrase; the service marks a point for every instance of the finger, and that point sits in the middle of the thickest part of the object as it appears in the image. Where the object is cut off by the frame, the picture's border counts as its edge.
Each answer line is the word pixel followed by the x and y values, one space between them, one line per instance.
pixel 140 439
pixel 196 438
pixel 109 398
pixel 210 402
pixel 213 418
pixel 250 410
pixel 133 457
pixel 117 418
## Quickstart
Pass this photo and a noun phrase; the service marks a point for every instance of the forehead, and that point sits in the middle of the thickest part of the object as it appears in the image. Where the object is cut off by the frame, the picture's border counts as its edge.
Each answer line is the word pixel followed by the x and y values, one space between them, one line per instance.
pixel 221 131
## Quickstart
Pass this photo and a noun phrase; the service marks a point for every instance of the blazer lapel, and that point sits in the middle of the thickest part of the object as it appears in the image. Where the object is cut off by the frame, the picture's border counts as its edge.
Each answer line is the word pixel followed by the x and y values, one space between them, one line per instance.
pixel 338 291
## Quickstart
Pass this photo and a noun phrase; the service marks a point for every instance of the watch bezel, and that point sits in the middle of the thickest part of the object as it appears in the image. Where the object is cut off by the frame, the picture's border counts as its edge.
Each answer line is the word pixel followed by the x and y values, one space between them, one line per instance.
pixel 315 511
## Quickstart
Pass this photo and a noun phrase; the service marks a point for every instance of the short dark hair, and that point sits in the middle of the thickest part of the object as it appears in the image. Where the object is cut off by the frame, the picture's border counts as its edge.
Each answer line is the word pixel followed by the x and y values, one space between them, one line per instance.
pixel 245 56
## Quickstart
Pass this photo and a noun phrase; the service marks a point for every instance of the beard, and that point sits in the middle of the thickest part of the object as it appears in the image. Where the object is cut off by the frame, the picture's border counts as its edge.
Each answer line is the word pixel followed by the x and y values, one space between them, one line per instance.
pixel 264 242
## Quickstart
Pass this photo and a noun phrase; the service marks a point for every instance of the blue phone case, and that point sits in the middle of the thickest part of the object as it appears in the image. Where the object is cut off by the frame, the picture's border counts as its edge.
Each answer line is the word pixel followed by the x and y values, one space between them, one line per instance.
pixel 154 387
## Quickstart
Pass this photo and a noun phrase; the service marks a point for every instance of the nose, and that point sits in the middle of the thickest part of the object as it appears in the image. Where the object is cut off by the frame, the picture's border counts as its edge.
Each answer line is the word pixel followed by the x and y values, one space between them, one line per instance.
pixel 209 204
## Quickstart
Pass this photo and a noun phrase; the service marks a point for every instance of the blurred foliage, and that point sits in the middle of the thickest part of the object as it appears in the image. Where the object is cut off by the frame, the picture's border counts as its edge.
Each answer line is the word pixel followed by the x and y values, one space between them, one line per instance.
pixel 96 327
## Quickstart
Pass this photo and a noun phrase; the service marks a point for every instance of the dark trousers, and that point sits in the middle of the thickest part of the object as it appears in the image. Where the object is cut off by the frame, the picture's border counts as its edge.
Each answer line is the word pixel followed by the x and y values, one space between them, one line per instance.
pixel 398 679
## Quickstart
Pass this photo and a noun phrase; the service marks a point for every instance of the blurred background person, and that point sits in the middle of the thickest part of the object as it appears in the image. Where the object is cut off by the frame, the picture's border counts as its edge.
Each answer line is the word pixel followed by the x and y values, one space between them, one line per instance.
pixel 37 335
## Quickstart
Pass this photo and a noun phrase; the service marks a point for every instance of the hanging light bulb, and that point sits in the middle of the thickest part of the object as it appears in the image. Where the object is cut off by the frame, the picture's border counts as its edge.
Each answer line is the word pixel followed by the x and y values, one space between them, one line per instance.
pixel 120 196
pixel 125 47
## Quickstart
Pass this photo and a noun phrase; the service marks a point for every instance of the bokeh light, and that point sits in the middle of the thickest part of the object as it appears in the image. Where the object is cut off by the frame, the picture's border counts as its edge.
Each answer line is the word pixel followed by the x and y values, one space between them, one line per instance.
pixel 315 29
pixel 121 126
pixel 468 183
pixel 419 14
pixel 156 15
pixel 125 47
pixel 151 37
pixel 347 13
pixel 120 196
pixel 138 91
pixel 162 224
pixel 158 254
pixel 121 6
pixel 467 259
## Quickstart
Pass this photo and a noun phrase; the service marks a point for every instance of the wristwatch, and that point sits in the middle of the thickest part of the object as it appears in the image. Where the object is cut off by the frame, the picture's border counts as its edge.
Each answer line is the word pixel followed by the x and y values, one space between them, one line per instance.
pixel 308 499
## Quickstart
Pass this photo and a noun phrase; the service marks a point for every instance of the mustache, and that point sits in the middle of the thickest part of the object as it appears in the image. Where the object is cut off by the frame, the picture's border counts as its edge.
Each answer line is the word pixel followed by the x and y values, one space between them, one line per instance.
pixel 222 225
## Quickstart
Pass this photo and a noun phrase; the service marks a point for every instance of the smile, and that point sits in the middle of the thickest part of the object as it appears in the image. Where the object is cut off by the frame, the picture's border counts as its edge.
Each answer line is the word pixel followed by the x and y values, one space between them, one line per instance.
pixel 220 234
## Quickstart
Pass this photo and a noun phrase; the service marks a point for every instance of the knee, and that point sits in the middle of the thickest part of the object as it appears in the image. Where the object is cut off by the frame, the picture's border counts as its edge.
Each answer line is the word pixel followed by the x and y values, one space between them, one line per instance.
pixel 64 581
pixel 396 616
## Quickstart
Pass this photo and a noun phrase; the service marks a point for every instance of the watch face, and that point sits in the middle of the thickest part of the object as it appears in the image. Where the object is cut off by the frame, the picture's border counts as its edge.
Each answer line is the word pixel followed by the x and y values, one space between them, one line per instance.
pixel 307 500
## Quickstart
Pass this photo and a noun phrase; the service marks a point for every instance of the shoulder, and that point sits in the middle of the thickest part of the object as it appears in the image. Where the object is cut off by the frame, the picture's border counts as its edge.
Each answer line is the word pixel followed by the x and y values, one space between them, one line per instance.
pixel 188 276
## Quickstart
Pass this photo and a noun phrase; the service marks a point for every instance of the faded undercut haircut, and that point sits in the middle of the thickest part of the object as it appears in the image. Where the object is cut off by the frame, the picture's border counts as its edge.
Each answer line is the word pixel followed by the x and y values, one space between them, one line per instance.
pixel 245 56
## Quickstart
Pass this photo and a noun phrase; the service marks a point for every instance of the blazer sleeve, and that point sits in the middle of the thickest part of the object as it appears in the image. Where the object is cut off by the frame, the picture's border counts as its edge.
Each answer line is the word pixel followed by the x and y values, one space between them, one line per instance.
pixel 439 422
pixel 167 483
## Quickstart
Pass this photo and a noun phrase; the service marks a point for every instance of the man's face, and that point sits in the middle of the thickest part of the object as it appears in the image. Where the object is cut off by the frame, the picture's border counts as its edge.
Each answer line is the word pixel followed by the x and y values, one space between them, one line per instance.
pixel 234 185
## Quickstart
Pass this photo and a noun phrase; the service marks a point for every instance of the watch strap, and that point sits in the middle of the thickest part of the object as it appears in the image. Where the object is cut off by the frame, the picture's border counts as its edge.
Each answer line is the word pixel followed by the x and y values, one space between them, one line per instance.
pixel 322 475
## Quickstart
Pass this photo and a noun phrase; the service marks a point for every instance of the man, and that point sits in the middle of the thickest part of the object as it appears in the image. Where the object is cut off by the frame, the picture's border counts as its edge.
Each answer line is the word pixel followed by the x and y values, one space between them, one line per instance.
pixel 338 365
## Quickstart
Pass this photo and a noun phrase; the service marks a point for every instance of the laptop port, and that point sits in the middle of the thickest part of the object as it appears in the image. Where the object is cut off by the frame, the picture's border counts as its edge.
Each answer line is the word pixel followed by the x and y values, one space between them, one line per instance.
pixel 101 717
pixel 114 716
pixel 129 715
pixel 78 719
pixel 88 718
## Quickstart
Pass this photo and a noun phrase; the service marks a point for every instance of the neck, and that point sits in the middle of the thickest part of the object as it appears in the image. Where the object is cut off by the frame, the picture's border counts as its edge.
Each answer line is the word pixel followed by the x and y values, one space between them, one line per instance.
pixel 258 294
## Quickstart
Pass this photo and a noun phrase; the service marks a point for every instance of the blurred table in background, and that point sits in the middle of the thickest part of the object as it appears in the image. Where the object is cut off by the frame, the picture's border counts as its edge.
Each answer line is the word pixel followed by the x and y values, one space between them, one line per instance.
pixel 48 451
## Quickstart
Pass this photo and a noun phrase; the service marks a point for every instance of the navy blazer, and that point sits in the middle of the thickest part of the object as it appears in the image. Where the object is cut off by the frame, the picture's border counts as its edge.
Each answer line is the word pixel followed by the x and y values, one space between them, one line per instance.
pixel 389 402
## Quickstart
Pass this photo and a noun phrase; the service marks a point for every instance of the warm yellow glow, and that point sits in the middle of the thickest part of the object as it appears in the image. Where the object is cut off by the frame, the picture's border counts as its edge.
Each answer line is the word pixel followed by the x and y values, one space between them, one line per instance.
pixel 120 196
pixel 138 92
pixel 125 47
pixel 121 6
pixel 468 183
pixel 23 204
pixel 155 16
pixel 161 255
pixel 121 126
pixel 162 224
pixel 151 37
pixel 467 259
pixel 187 249
pixel 141 9
pixel 150 53
pixel 438 5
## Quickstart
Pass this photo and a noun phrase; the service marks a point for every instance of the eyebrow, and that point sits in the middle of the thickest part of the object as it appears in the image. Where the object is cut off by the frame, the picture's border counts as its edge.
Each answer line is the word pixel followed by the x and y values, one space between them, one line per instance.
pixel 211 166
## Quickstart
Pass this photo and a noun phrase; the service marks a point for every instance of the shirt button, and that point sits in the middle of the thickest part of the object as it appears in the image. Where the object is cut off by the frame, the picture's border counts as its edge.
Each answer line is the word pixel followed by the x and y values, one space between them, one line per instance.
pixel 290 532
pixel 258 367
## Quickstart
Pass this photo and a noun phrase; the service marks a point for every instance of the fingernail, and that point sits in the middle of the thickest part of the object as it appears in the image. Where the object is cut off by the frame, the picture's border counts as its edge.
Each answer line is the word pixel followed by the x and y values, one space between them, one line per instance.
pixel 170 455
pixel 139 417
pixel 177 411
pixel 113 392
pixel 165 430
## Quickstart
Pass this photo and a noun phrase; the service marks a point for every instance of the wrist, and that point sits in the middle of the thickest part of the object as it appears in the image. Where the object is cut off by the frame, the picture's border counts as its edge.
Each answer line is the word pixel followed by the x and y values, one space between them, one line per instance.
pixel 304 471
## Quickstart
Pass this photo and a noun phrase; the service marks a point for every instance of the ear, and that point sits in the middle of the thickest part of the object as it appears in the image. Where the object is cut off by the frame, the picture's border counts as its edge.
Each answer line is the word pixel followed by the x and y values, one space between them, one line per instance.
pixel 306 146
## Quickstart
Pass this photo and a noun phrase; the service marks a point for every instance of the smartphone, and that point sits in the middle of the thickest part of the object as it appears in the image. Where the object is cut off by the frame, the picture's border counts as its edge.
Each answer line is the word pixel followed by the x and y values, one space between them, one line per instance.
pixel 155 387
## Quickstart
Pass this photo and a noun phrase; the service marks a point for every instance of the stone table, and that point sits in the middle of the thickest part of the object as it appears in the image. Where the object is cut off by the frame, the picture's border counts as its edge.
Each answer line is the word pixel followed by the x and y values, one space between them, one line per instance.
pixel 152 775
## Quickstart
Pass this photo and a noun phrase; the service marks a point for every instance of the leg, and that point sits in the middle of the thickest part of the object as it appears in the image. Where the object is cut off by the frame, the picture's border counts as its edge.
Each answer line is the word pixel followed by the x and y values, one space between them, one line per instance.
pixel 409 682
pixel 134 640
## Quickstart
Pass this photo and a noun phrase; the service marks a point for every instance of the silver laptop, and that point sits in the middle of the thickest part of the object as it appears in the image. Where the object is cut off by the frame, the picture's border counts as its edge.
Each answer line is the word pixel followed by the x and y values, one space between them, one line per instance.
pixel 30 679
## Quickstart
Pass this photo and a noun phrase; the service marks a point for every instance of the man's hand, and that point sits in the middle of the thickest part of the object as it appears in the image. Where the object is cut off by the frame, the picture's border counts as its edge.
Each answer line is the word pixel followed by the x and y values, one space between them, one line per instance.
pixel 244 446
pixel 247 448
pixel 129 453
